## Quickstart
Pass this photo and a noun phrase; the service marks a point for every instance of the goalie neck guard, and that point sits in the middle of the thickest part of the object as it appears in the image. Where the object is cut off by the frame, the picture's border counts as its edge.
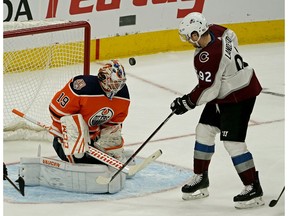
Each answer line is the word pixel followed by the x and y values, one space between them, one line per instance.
pixel 112 78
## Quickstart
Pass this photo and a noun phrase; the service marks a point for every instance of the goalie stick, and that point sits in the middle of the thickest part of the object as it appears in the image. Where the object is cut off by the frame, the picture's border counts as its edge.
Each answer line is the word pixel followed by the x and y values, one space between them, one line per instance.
pixel 107 180
pixel 97 154
pixel 131 170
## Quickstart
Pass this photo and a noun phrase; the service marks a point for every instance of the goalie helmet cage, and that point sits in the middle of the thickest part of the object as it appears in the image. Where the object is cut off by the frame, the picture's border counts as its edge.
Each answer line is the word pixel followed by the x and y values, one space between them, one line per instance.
pixel 39 58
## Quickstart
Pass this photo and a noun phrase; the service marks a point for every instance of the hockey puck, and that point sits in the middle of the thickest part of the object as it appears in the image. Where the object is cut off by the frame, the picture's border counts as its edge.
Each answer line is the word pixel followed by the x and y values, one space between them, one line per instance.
pixel 132 61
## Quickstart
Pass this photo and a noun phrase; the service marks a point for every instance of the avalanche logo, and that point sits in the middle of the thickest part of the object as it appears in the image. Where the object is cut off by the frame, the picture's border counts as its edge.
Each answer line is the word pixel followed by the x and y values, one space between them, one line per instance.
pixel 204 57
pixel 101 116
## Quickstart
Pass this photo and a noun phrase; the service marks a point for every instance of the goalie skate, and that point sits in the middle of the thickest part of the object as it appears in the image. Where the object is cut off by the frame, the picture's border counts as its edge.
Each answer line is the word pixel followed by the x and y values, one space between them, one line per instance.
pixel 196 188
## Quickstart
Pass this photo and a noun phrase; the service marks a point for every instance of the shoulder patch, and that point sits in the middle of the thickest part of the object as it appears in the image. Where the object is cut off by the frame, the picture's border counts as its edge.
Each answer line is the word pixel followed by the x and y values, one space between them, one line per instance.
pixel 203 56
pixel 79 84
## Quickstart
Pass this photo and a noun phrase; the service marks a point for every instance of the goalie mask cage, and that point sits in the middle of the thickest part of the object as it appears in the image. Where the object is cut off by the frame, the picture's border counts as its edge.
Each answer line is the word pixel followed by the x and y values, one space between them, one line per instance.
pixel 39 58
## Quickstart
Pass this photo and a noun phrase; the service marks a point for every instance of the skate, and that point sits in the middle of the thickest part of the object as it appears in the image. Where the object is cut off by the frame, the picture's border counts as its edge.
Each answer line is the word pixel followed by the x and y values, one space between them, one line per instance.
pixel 196 188
pixel 250 197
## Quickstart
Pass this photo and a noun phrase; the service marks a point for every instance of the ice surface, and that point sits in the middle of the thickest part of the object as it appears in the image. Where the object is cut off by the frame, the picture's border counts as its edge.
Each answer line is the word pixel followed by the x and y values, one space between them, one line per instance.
pixel 154 82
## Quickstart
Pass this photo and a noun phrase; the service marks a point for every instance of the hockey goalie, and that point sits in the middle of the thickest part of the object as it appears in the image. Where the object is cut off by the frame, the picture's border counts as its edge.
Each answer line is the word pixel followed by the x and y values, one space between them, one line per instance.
pixel 103 101
pixel 88 112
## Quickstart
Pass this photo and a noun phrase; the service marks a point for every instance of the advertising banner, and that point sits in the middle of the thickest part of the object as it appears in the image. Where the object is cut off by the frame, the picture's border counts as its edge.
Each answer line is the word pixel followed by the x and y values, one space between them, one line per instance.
pixel 110 18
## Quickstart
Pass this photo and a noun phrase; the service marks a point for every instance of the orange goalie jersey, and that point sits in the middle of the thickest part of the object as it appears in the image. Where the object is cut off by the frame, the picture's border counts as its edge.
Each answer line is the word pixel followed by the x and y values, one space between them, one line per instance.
pixel 84 95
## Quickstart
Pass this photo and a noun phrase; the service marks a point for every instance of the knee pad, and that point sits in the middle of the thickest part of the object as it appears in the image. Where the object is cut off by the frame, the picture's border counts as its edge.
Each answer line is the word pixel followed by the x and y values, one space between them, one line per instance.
pixel 206 133
pixel 235 148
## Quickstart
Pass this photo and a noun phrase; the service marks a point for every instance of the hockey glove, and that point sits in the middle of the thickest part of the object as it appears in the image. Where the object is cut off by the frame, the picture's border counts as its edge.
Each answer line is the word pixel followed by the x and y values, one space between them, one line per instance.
pixel 181 105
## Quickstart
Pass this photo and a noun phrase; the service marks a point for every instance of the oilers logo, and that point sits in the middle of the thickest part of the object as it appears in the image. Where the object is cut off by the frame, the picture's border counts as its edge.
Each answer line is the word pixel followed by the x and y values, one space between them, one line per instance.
pixel 101 116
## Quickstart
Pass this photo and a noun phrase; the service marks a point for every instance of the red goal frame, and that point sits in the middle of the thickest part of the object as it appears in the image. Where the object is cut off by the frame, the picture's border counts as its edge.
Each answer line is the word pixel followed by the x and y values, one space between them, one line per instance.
pixel 59 27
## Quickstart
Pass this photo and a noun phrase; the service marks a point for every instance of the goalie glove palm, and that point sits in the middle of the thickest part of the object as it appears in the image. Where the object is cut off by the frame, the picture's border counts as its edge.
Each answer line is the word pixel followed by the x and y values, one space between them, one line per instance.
pixel 181 105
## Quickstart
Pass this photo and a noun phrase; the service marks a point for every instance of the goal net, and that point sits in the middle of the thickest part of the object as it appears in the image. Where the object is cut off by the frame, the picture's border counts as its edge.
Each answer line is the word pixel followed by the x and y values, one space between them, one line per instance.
pixel 39 58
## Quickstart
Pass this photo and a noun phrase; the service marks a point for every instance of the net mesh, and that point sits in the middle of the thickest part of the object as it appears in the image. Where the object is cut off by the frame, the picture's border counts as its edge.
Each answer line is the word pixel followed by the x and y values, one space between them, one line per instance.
pixel 35 66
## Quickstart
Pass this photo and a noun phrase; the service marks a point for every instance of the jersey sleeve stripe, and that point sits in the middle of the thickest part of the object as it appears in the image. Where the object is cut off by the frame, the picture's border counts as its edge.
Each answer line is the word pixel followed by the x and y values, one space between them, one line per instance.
pixel 59 112
pixel 54 114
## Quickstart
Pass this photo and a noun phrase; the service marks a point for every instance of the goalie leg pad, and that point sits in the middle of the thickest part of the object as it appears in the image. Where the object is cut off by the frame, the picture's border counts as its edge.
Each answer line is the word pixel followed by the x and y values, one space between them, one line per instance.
pixel 65 176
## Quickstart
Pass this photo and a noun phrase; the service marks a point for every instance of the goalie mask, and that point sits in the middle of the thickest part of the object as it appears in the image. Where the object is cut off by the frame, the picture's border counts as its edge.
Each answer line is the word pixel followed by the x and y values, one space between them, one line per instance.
pixel 112 78
pixel 193 22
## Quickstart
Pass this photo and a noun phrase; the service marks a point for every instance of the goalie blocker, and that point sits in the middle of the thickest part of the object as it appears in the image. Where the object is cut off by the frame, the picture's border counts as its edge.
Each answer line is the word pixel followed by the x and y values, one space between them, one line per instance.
pixel 75 138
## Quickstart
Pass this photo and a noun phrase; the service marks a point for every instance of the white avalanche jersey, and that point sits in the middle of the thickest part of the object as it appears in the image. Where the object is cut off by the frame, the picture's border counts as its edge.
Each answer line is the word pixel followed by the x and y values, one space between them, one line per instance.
pixel 223 76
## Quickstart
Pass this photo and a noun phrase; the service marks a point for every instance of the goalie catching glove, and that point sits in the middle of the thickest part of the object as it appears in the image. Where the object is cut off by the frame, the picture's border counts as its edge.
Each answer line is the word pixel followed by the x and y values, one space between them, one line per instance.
pixel 111 142
pixel 181 105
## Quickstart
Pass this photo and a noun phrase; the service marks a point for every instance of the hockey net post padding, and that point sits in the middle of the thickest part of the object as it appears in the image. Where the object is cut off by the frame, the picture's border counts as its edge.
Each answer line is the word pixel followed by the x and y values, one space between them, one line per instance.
pixel 39 58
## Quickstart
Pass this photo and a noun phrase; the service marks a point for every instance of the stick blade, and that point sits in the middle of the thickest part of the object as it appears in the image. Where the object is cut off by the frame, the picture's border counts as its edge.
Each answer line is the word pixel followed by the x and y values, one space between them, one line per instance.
pixel 272 203
pixel 103 180
pixel 21 183
pixel 138 167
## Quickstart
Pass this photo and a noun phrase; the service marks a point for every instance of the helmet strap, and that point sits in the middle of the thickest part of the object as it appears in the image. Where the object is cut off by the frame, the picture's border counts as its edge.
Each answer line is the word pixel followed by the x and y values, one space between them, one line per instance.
pixel 195 42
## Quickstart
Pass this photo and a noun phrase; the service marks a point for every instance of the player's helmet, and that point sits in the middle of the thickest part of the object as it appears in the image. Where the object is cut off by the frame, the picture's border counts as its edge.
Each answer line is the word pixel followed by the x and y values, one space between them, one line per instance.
pixel 112 77
pixel 193 22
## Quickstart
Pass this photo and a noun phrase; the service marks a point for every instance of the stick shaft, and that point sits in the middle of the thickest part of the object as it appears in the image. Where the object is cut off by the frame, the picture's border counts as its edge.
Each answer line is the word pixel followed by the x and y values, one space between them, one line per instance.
pixel 17 112
pixel 281 193
pixel 12 183
pixel 140 148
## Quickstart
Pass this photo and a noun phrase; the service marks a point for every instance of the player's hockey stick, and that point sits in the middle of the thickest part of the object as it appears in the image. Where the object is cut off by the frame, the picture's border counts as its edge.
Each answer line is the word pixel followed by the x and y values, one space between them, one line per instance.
pixel 138 167
pixel 107 180
pixel 274 202
pixel 96 153
pixel 20 181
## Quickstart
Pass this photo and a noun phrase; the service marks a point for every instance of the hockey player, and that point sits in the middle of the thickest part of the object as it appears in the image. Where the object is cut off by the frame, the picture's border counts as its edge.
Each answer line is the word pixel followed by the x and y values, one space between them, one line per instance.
pixel 228 87
pixel 101 103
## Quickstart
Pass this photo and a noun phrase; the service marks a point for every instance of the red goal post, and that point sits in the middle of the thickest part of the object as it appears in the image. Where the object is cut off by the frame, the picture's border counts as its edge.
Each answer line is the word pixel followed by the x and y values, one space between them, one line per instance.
pixel 39 58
